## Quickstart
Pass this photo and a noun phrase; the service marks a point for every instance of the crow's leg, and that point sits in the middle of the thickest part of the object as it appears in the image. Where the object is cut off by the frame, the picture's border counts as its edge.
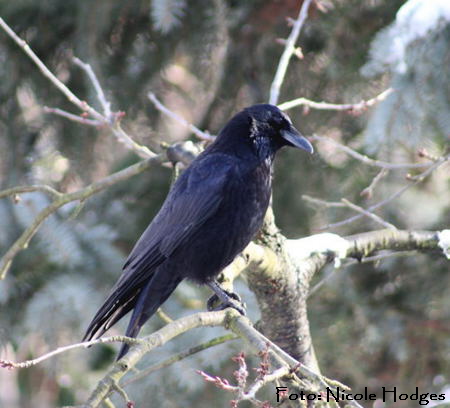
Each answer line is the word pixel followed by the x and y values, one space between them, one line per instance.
pixel 227 299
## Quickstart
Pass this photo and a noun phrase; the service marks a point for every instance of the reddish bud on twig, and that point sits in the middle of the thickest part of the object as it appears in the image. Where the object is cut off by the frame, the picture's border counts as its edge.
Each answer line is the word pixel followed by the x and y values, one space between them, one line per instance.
pixel 6 364
pixel 320 6
pixel 240 358
pixel 217 381
pixel 290 21
pixel 120 115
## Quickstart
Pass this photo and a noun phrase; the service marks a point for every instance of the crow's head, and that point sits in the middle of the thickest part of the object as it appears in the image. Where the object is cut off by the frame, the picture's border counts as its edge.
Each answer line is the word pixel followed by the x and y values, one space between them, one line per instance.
pixel 263 128
pixel 267 121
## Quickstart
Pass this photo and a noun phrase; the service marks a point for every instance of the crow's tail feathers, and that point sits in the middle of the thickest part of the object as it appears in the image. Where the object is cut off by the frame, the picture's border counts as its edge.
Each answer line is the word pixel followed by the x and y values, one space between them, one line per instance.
pixel 153 295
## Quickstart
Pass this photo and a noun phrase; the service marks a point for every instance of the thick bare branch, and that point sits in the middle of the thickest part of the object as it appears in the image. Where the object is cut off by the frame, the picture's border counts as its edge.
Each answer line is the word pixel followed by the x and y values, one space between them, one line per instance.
pixel 156 339
pixel 180 356
pixel 364 245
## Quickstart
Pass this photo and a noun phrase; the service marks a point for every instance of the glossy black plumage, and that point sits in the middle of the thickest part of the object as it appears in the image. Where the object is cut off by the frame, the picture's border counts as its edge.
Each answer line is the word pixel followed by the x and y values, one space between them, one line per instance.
pixel 211 213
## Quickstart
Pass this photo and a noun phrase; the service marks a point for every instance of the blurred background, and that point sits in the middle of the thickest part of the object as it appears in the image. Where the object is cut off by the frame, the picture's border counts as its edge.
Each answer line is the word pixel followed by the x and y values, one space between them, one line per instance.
pixel 376 324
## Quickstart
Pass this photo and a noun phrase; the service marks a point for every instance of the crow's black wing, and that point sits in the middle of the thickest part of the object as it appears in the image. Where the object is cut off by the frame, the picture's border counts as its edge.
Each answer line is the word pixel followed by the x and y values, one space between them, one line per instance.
pixel 193 199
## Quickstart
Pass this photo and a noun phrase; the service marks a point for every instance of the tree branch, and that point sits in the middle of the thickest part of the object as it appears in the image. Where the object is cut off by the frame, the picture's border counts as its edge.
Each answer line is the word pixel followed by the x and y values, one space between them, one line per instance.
pixel 112 121
pixel 72 117
pixel 106 106
pixel 367 160
pixel 82 105
pixel 177 118
pixel 180 356
pixel 62 199
pixel 105 340
pixel 28 189
pixel 368 214
pixel 289 50
pixel 416 180
pixel 352 107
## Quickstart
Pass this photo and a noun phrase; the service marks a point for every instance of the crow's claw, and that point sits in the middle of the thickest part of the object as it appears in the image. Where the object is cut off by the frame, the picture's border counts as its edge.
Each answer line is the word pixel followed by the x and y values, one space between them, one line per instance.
pixel 214 304
pixel 223 299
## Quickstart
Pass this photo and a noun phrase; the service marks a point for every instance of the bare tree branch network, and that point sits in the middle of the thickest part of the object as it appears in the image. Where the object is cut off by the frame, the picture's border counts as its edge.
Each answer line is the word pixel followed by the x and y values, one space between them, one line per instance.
pixel 278 270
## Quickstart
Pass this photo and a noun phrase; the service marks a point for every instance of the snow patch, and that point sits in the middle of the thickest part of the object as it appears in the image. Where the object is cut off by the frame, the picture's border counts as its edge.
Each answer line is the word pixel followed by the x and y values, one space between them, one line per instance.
pixel 414 20
pixel 444 242
pixel 325 243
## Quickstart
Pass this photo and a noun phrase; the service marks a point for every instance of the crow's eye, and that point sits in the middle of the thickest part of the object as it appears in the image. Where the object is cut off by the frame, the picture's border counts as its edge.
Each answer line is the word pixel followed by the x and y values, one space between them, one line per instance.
pixel 277 122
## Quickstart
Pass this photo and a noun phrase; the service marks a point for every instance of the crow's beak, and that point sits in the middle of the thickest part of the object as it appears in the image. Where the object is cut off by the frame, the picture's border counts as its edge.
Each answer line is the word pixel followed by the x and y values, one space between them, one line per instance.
pixel 294 138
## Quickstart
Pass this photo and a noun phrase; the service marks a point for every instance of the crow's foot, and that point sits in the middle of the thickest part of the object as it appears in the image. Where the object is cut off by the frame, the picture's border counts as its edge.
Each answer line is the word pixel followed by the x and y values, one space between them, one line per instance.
pixel 223 299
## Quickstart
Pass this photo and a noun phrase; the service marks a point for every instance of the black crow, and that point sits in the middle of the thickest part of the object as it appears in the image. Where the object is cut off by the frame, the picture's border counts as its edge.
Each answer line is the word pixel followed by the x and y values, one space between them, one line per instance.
pixel 209 216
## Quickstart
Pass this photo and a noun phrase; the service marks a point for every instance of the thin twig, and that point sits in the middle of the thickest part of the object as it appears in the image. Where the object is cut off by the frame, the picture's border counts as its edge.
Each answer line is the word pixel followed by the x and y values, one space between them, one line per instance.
pixel 111 120
pixel 28 189
pixel 82 105
pixel 59 350
pixel 74 118
pixel 289 50
pixel 327 204
pixel 98 89
pixel 166 111
pixel 367 213
pixel 142 151
pixel 82 194
pixel 352 107
pixel 368 191
pixel 392 197
pixel 180 356
pixel 261 382
pixel 163 315
pixel 116 387
pixel 368 160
